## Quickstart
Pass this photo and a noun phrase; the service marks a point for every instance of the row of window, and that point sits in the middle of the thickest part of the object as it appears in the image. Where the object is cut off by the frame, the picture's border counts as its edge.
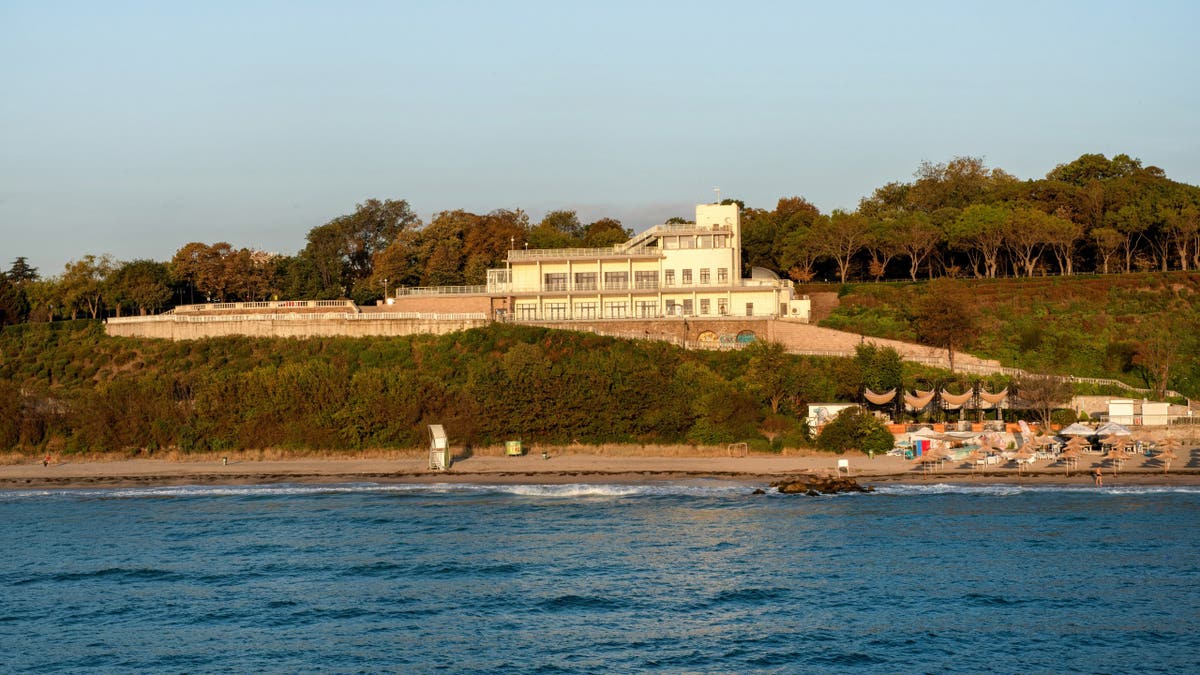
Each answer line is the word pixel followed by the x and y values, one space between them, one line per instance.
pixel 619 281
pixel 694 241
pixel 623 310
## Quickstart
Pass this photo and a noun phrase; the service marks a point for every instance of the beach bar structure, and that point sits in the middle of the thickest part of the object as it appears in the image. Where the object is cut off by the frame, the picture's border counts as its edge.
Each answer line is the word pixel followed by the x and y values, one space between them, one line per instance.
pixel 439 448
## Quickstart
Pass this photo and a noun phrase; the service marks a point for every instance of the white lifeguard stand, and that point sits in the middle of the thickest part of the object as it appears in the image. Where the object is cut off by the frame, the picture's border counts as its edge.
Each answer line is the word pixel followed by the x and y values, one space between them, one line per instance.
pixel 439 448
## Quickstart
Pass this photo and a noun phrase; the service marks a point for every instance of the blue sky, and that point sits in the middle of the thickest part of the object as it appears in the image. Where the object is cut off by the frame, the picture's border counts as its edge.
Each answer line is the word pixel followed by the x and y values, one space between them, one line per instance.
pixel 134 128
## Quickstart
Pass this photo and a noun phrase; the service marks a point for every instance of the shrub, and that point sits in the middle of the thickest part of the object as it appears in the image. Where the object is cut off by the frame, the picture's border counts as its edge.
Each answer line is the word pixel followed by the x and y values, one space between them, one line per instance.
pixel 855 428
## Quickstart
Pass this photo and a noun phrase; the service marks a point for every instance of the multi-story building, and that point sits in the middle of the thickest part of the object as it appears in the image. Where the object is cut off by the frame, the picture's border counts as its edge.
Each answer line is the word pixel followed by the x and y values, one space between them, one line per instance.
pixel 689 269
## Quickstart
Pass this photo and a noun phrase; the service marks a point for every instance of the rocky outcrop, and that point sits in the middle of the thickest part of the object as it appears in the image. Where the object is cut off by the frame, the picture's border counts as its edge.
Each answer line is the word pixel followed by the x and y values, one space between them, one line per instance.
pixel 819 485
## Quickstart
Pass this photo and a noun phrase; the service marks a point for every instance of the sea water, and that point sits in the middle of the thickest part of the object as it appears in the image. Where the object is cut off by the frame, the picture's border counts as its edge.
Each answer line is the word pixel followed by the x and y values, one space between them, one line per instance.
pixel 672 577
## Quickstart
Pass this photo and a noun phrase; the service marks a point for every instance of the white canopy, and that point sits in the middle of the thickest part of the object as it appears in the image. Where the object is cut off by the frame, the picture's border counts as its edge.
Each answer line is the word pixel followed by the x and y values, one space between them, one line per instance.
pixel 1078 429
pixel 1113 429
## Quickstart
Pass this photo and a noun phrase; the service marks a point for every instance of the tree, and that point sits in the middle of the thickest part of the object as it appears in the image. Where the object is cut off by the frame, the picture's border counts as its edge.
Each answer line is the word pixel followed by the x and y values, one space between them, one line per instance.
pixel 918 238
pixel 1062 234
pixel 1027 236
pixel 842 236
pixel 855 429
pixel 946 317
pixel 343 250
pixel 1107 241
pixel 558 229
pixel 980 232
pixel 21 273
pixel 1043 394
pixel 83 284
pixel 767 372
pixel 881 368
pixel 1090 168
pixel 885 242
pixel 800 252
pixel 605 232
pixel 143 284
pixel 14 307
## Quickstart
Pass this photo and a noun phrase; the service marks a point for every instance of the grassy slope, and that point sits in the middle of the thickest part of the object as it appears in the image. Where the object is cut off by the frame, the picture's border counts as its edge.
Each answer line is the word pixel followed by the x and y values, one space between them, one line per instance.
pixel 1084 326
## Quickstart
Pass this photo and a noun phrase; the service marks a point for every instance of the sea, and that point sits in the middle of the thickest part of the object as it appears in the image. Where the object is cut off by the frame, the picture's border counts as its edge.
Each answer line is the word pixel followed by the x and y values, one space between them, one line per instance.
pixel 678 577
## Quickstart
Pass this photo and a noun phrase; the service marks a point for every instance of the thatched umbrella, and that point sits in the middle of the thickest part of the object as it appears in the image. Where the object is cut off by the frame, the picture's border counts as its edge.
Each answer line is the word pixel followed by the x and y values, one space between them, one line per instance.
pixel 1116 455
pixel 1166 452
pixel 977 458
pixel 1113 440
pixel 1025 455
pixel 1069 457
pixel 1079 443
pixel 924 461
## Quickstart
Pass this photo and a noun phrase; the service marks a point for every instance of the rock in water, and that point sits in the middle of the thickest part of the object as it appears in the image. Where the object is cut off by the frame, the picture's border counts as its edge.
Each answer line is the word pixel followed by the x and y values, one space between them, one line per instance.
pixel 819 485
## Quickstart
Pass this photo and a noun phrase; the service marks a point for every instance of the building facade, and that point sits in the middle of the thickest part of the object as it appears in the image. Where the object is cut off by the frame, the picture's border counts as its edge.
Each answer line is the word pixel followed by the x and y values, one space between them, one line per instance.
pixel 670 270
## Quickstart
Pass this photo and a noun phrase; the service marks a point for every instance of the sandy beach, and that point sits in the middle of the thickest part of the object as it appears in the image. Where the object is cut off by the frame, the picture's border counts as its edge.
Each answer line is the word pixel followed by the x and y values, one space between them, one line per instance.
pixel 567 467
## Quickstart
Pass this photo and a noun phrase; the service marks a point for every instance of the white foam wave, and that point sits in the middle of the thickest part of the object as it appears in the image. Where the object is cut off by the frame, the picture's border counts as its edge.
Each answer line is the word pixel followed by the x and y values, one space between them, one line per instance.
pixel 565 491
pixel 1007 489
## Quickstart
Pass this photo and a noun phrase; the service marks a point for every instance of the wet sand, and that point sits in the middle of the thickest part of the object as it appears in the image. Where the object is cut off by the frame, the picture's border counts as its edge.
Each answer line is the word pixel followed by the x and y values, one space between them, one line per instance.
pixel 566 467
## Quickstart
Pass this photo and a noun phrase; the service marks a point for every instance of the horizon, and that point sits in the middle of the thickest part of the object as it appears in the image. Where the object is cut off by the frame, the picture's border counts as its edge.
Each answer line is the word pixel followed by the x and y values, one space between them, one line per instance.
pixel 133 129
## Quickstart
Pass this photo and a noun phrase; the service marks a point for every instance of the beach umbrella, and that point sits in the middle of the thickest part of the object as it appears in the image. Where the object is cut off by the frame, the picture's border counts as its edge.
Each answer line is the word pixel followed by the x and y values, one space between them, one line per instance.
pixel 1113 440
pixel 1069 457
pixel 1079 443
pixel 977 458
pixel 1025 455
pixel 1166 452
pixel 1116 455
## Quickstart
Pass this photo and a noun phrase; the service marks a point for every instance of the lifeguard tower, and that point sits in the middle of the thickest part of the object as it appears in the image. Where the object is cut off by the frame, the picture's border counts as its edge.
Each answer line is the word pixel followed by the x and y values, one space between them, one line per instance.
pixel 439 448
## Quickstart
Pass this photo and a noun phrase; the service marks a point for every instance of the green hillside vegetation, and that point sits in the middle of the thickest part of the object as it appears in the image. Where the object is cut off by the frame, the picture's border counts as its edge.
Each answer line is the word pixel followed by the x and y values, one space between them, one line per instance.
pixel 1137 328
pixel 68 385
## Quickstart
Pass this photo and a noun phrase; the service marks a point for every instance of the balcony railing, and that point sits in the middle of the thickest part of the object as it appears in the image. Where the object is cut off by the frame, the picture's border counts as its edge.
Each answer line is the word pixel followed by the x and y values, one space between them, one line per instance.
pixel 609 252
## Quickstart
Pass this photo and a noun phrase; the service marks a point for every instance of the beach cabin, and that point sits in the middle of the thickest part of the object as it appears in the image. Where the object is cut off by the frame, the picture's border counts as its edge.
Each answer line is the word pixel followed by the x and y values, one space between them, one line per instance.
pixel 439 448
pixel 1120 410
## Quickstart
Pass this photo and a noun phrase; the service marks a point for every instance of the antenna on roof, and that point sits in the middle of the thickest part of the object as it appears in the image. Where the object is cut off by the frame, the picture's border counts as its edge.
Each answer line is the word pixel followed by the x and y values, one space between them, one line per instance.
pixel 718 191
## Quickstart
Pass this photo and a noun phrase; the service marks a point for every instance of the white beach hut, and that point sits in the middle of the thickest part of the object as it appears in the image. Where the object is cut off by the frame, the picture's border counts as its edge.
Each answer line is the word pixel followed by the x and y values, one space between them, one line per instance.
pixel 439 448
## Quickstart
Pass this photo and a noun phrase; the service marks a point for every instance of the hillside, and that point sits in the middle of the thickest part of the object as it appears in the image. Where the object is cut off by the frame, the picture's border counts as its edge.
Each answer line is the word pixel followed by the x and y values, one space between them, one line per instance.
pixel 1125 326
pixel 70 385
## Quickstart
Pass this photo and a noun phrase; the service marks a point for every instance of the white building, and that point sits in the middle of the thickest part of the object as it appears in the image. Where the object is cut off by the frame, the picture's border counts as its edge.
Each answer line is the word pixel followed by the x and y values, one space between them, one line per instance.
pixel 691 269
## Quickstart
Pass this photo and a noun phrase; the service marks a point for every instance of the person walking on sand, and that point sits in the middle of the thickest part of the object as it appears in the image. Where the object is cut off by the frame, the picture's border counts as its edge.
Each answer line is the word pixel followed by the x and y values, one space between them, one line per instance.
pixel 46 460
pixel 1098 476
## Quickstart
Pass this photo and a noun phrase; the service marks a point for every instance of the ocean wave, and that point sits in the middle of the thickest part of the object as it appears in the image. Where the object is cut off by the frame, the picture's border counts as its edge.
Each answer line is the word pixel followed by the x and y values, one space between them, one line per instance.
pixel 562 491
pixel 1004 490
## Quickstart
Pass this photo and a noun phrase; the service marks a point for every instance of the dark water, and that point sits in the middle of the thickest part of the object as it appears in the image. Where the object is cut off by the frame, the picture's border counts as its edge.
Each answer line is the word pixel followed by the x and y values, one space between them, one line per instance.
pixel 698 577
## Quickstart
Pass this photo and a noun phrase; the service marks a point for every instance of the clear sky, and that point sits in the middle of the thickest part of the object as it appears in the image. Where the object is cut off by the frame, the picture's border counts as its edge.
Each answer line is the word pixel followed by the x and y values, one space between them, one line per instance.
pixel 134 128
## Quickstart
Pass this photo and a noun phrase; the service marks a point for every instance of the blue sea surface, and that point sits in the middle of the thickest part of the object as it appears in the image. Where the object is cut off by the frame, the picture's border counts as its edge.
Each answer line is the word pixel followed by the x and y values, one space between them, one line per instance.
pixel 666 577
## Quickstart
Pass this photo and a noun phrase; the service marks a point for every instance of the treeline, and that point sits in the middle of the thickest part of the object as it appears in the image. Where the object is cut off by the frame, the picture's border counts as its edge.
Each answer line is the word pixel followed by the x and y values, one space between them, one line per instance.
pixel 958 219
pixel 68 386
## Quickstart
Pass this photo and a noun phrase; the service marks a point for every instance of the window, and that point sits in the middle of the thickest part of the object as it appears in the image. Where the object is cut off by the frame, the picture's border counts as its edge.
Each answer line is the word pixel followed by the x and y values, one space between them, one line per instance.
pixel 585 310
pixel 688 308
pixel 647 308
pixel 704 276
pixel 585 281
pixel 615 310
pixel 672 308
pixel 687 242
pixel 645 279
pixel 718 241
pixel 670 243
pixel 554 281
pixel 749 309
pixel 669 278
pixel 527 312
pixel 722 275
pixel 722 306
pixel 616 281
pixel 556 310
pixel 687 277
pixel 704 306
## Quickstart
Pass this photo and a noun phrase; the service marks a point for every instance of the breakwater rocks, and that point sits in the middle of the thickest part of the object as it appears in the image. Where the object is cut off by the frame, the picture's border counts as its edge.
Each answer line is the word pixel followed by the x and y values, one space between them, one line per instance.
pixel 819 485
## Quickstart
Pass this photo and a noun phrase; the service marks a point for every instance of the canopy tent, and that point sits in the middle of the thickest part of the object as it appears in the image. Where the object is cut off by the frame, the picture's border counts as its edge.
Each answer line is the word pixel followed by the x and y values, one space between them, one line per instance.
pixel 1077 429
pixel 1113 429
pixel 994 399
pixel 953 401
pixel 880 399
pixel 918 400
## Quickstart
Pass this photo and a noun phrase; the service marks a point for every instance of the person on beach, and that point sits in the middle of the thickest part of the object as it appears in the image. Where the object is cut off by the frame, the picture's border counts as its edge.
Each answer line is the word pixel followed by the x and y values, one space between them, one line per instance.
pixel 46 460
pixel 1098 476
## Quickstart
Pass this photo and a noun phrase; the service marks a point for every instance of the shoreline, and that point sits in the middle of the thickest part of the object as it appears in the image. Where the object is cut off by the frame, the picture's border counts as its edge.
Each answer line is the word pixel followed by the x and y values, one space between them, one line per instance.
pixel 564 468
